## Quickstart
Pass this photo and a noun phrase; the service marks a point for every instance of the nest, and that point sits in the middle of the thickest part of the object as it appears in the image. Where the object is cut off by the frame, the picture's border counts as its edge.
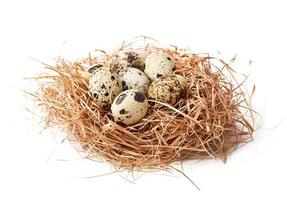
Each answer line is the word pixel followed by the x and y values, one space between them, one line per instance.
pixel 212 120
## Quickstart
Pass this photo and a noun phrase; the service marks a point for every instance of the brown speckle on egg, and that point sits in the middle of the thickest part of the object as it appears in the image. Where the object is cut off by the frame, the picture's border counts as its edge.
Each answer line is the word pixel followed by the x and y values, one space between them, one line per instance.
pixel 124 85
pixel 95 95
pixel 159 75
pixel 139 97
pixel 123 111
pixel 120 98
pixel 131 56
pixel 94 68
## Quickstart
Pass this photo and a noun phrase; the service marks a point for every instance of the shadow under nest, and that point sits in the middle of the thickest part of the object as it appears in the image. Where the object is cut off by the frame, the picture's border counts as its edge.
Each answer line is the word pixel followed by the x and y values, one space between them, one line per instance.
pixel 210 121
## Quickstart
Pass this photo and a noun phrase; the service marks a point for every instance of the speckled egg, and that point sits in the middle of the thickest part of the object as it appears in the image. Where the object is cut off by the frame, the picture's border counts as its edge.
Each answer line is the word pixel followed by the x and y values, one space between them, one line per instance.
pixel 158 64
pixel 104 85
pixel 129 107
pixel 134 59
pixel 168 89
pixel 133 78
pixel 89 70
pixel 92 69
pixel 182 81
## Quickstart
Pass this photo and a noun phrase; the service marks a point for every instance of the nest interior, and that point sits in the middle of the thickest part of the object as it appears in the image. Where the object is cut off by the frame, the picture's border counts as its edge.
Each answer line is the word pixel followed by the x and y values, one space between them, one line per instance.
pixel 213 119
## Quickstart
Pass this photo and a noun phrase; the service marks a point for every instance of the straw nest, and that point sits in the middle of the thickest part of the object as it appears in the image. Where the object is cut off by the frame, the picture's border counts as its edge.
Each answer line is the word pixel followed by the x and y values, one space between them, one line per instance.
pixel 212 120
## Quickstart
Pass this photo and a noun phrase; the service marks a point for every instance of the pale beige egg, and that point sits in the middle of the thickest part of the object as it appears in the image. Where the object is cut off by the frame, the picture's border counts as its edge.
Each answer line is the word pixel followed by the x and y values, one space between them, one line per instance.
pixel 133 78
pixel 168 89
pixel 133 58
pixel 129 107
pixel 104 85
pixel 158 64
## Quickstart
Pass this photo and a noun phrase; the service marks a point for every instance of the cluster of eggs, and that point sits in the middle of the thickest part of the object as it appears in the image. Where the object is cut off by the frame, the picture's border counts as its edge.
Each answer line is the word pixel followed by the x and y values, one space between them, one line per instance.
pixel 126 92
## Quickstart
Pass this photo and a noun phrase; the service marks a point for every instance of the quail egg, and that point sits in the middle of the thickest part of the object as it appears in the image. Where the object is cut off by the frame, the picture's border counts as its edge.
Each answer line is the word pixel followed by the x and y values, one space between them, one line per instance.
pixel 84 74
pixel 133 78
pixel 168 89
pixel 134 59
pixel 89 70
pixel 182 81
pixel 158 64
pixel 94 68
pixel 104 85
pixel 129 107
pixel 112 62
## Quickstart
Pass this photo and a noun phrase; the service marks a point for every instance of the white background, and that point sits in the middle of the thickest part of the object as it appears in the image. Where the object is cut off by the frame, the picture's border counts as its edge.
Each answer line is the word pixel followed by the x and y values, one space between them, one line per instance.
pixel 37 166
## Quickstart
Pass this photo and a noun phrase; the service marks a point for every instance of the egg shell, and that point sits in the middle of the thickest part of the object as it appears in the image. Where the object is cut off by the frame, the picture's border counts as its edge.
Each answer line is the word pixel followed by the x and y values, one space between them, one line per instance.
pixel 182 81
pixel 84 74
pixel 135 59
pixel 133 78
pixel 129 107
pixel 113 62
pixel 158 64
pixel 104 85
pixel 94 68
pixel 168 89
